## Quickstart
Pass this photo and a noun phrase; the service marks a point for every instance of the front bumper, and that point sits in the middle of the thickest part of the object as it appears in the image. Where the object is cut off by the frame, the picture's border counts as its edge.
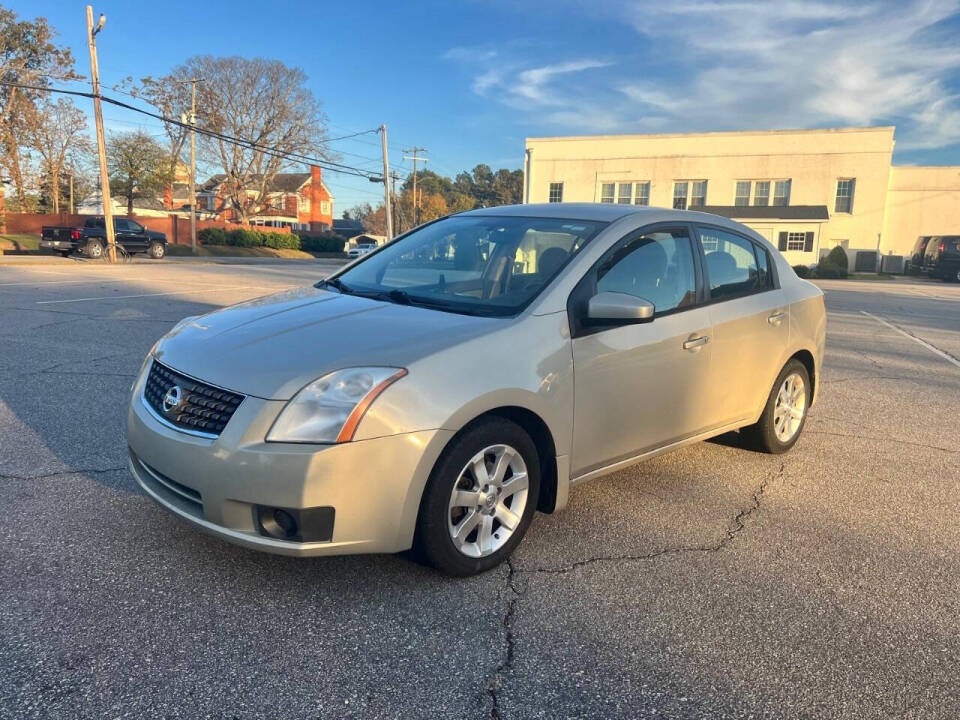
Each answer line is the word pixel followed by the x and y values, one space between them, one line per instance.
pixel 216 484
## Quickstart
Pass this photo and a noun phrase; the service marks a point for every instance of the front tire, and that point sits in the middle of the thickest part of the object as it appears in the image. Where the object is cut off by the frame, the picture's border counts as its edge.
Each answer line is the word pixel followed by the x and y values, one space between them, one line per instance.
pixel 157 251
pixel 785 413
pixel 479 500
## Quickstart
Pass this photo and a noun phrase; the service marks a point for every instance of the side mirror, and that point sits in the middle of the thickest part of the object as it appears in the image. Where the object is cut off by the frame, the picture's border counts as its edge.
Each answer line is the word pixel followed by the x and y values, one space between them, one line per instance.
pixel 613 308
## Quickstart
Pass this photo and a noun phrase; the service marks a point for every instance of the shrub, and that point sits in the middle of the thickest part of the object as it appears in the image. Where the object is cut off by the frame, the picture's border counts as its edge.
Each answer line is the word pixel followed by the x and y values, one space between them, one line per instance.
pixel 327 242
pixel 834 265
pixel 281 241
pixel 244 238
pixel 802 271
pixel 213 236
pixel 838 258
pixel 827 270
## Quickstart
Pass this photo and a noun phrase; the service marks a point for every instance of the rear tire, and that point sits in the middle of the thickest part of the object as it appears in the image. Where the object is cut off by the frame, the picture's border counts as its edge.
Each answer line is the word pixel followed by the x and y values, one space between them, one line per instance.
pixel 156 250
pixel 64 253
pixel 94 249
pixel 459 528
pixel 785 413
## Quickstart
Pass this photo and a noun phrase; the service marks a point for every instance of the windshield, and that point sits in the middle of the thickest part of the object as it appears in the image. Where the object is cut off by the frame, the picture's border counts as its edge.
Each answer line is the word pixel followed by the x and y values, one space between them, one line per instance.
pixel 472 264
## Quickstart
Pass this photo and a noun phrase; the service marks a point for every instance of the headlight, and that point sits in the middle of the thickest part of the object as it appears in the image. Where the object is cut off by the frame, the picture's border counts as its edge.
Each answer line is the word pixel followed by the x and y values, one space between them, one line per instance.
pixel 329 410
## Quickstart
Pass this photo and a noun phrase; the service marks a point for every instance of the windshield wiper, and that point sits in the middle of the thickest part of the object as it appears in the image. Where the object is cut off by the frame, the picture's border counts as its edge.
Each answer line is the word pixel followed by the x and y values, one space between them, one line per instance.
pixel 335 283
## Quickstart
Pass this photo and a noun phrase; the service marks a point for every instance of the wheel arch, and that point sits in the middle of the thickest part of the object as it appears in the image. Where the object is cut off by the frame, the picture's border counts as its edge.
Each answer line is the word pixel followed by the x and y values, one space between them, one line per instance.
pixel 806 358
pixel 552 484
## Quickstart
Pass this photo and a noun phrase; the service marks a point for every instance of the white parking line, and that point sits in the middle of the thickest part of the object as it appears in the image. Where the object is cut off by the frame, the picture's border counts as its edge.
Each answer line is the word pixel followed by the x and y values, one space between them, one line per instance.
pixel 65 282
pixel 128 297
pixel 936 351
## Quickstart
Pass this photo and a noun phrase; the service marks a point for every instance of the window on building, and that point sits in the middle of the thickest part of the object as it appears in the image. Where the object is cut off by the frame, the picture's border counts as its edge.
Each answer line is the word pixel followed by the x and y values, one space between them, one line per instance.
pixel 844 202
pixel 556 192
pixel 624 191
pixel 742 197
pixel 796 240
pixel 761 193
pixel 642 194
pixel 607 191
pixel 781 193
pixel 680 195
pixel 698 194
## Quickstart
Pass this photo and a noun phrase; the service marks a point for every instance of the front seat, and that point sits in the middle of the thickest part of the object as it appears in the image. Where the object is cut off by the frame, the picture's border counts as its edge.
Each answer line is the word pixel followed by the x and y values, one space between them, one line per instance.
pixel 638 272
pixel 550 261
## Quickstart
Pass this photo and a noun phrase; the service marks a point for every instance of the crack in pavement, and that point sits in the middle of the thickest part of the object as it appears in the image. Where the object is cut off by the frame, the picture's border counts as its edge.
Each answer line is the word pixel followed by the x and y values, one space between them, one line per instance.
pixel 897 441
pixel 864 377
pixel 45 476
pixel 496 681
pixel 736 526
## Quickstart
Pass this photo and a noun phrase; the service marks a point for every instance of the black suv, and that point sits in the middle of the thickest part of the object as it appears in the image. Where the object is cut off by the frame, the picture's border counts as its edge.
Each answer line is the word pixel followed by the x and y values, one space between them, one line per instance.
pixel 942 257
pixel 914 264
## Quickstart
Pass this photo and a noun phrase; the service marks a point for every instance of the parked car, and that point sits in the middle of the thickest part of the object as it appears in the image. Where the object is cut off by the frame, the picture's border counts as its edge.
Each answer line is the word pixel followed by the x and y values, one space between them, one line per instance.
pixel 361 247
pixel 437 393
pixel 914 261
pixel 91 238
pixel 942 257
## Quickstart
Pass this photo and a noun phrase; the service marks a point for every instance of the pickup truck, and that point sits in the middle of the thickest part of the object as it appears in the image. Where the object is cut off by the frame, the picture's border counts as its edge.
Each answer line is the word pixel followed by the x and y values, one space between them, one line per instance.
pixel 91 238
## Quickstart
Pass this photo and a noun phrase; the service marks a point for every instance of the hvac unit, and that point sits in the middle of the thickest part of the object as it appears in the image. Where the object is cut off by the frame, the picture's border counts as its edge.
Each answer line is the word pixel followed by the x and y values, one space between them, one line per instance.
pixel 892 264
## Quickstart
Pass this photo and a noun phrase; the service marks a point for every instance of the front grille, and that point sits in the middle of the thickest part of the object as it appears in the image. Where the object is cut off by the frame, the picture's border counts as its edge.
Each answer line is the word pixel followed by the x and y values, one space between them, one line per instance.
pixel 202 408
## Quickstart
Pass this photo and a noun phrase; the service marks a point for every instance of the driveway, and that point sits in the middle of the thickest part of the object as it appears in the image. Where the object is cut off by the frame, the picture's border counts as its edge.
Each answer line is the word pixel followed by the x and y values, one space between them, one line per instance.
pixel 710 582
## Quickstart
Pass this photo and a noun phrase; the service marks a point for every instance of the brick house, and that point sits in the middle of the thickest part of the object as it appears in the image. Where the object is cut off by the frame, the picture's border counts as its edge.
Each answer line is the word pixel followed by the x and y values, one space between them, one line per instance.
pixel 299 201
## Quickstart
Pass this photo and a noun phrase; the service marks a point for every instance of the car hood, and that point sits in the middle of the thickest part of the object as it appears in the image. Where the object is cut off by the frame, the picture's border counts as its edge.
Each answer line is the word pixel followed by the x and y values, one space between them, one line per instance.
pixel 271 347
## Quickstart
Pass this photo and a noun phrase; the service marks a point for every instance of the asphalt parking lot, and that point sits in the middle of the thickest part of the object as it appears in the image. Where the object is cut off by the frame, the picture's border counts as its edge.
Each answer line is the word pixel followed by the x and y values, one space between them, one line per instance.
pixel 711 582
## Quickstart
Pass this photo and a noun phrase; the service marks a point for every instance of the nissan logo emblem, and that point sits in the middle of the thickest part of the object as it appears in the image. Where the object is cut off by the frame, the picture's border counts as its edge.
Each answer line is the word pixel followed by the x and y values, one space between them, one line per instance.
pixel 172 399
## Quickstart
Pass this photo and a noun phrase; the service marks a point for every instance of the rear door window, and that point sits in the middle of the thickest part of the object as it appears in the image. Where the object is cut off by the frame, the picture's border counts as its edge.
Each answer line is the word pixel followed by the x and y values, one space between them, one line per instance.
pixel 732 265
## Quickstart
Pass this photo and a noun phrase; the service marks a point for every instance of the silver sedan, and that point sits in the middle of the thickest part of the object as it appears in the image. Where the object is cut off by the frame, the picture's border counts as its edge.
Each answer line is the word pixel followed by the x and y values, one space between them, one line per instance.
pixel 439 391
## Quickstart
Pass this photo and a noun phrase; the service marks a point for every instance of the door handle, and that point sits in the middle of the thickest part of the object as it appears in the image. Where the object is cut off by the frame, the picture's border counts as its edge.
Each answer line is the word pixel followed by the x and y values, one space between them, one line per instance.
pixel 776 318
pixel 695 343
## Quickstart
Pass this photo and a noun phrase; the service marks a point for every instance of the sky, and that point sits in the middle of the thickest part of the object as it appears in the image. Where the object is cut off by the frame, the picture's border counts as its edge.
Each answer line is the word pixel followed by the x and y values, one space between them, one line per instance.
pixel 470 80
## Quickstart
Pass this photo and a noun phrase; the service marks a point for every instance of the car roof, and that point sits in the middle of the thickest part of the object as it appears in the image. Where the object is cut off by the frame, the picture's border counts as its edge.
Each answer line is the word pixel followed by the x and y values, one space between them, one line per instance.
pixel 603 212
pixel 606 212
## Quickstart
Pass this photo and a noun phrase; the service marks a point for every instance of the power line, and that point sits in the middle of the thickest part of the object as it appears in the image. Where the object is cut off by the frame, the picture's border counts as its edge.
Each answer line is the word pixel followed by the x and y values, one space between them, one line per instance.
pixel 249 144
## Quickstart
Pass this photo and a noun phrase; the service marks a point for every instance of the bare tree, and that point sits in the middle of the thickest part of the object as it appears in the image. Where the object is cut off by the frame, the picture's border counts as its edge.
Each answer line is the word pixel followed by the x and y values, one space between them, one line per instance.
pixel 170 94
pixel 260 101
pixel 58 136
pixel 28 56
pixel 138 166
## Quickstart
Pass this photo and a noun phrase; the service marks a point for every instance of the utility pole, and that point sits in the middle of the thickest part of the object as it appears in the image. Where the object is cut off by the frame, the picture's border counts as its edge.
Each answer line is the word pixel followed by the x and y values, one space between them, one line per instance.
pixel 193 163
pixel 415 158
pixel 101 144
pixel 386 184
pixel 398 221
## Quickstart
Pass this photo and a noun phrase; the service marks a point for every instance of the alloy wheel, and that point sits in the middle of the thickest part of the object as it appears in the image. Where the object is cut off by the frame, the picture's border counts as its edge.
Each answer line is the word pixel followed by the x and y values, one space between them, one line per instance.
pixel 487 501
pixel 790 408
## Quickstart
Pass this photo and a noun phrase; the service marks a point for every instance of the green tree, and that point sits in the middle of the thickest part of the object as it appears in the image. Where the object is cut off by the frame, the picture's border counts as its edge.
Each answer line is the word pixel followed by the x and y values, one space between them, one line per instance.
pixel 139 166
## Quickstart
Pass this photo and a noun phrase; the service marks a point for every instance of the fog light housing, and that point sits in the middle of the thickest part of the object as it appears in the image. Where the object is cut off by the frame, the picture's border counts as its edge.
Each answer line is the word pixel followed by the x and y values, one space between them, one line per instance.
pixel 295 524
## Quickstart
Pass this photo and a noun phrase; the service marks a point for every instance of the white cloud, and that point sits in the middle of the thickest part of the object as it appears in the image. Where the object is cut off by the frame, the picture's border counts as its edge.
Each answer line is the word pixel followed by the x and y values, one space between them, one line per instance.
pixel 712 65
pixel 794 64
